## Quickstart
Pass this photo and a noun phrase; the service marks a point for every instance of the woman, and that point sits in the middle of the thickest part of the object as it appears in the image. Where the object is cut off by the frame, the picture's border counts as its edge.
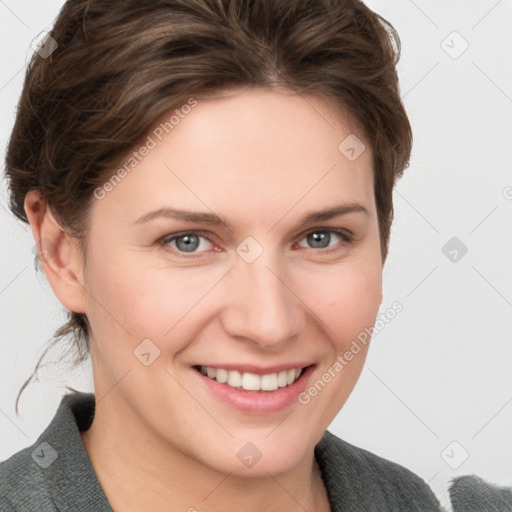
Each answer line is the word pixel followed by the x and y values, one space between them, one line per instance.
pixel 210 186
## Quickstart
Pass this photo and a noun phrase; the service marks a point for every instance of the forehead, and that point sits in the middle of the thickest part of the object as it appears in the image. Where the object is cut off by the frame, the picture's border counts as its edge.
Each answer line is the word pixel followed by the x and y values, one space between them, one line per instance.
pixel 251 147
pixel 255 114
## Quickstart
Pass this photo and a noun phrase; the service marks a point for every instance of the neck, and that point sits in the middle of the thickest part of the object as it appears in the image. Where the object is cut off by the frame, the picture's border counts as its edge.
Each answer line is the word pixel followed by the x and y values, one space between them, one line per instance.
pixel 139 471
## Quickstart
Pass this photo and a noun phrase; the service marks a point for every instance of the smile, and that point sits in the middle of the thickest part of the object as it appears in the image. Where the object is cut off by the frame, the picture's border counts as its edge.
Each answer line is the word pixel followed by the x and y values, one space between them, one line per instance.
pixel 251 381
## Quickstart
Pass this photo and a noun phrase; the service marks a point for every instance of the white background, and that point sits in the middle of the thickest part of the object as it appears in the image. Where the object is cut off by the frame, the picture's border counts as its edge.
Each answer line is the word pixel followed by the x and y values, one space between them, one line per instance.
pixel 441 371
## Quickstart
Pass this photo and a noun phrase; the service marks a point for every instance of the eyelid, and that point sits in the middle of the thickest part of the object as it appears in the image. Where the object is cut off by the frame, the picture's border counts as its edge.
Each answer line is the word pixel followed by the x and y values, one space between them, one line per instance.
pixel 343 232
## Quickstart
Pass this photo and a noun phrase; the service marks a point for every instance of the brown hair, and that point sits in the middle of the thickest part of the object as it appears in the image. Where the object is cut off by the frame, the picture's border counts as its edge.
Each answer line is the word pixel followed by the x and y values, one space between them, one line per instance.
pixel 120 65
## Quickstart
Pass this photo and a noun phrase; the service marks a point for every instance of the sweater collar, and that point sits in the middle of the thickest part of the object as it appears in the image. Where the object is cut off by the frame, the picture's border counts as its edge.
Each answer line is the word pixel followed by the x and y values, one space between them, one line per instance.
pixel 71 479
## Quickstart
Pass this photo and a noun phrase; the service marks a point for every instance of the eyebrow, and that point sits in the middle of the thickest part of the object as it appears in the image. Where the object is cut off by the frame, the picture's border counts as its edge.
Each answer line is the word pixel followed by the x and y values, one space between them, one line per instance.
pixel 214 220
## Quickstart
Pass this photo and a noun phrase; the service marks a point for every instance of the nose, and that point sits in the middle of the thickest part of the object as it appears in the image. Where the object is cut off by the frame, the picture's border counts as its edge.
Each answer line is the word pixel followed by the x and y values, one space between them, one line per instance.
pixel 262 306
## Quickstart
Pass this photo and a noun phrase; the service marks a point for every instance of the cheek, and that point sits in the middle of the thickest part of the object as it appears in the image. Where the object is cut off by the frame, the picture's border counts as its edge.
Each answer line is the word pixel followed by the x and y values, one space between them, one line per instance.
pixel 141 301
pixel 124 298
pixel 347 301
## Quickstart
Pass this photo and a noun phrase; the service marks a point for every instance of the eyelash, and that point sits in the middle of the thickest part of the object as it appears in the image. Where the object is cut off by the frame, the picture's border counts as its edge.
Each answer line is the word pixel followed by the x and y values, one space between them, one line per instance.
pixel 345 235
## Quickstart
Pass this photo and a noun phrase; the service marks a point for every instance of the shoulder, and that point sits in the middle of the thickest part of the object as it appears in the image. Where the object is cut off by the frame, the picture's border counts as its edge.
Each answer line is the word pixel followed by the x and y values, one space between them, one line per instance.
pixel 55 470
pixel 22 486
pixel 470 492
pixel 361 480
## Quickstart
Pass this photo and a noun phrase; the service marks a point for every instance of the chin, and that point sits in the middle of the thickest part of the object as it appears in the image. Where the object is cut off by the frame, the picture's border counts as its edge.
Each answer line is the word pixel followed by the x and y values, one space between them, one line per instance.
pixel 258 454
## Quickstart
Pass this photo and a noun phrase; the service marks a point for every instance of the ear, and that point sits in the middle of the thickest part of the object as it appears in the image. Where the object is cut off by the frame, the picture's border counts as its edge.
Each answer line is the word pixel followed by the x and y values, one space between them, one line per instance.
pixel 58 253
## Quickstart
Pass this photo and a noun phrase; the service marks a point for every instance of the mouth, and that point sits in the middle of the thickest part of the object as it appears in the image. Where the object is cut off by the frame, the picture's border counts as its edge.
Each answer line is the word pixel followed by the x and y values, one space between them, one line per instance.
pixel 251 381
pixel 253 390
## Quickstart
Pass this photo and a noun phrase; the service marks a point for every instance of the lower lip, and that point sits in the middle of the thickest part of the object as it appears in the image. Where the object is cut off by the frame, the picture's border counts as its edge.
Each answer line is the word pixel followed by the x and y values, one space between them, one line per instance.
pixel 258 402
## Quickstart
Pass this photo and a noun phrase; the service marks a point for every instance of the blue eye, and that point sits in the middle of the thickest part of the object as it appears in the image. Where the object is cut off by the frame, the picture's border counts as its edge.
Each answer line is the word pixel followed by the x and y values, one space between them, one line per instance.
pixel 185 242
pixel 320 238
pixel 188 242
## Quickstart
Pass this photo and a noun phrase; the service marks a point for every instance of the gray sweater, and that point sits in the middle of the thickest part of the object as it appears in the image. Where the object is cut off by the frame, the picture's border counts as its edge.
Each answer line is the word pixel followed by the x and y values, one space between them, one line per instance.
pixel 55 473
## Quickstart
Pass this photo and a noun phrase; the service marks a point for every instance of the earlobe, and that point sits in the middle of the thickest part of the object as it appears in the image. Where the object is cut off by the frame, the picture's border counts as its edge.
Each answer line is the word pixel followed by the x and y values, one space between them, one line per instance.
pixel 58 253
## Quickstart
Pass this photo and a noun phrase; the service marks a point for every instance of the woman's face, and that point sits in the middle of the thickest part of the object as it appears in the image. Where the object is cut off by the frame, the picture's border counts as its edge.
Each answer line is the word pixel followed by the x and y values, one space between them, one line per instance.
pixel 272 292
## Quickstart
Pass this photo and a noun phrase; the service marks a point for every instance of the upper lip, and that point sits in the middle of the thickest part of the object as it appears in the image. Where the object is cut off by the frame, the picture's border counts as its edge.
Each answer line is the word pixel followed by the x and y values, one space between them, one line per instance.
pixel 258 370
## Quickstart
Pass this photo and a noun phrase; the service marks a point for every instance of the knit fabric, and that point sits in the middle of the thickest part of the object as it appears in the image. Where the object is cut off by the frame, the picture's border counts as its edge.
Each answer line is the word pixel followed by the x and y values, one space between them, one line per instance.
pixel 55 474
pixel 472 494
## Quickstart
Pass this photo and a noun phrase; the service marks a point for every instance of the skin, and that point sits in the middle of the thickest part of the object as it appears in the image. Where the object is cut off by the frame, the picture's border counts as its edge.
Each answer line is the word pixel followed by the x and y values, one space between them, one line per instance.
pixel 271 158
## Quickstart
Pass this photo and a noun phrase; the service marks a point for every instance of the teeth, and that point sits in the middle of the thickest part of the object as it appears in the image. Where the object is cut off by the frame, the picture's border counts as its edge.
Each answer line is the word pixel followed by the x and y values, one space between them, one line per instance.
pixel 269 382
pixel 252 381
pixel 282 379
pixel 234 379
pixel 222 375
